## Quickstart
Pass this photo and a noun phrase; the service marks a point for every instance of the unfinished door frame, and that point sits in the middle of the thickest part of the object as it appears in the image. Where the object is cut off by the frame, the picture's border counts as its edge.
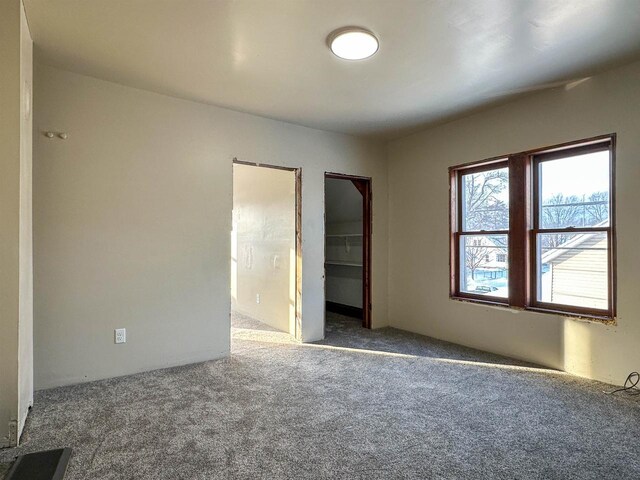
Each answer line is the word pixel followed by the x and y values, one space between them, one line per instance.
pixel 298 225
pixel 363 184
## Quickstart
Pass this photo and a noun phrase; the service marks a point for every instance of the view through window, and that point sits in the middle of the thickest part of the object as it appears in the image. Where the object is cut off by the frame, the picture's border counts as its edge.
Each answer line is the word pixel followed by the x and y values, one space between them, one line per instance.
pixel 484 233
pixel 536 230
pixel 573 234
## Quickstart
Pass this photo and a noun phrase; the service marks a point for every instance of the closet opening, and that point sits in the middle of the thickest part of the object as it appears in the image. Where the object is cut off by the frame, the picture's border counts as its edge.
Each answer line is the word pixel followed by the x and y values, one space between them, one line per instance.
pixel 347 250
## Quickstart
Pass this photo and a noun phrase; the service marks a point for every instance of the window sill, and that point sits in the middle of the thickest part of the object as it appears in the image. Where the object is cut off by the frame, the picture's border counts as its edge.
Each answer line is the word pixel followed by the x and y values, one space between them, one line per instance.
pixel 602 319
pixel 480 301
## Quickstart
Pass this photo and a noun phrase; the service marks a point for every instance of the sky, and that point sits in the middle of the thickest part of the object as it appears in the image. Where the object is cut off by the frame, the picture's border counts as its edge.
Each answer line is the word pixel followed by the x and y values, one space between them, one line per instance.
pixel 579 175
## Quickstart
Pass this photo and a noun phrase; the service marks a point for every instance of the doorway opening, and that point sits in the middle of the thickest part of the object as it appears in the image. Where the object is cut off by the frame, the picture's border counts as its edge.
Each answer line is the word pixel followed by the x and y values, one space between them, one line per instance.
pixel 347 251
pixel 265 253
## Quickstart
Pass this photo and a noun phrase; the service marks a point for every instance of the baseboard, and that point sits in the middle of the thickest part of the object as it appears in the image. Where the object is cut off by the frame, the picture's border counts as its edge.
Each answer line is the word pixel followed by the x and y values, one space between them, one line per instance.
pixel 343 309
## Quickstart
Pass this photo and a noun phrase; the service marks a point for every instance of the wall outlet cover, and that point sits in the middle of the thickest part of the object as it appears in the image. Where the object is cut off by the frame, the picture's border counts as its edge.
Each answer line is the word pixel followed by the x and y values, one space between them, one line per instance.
pixel 120 335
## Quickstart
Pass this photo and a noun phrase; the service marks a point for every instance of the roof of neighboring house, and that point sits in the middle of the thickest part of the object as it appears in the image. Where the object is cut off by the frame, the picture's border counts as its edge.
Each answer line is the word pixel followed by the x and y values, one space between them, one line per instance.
pixel 565 250
pixel 491 244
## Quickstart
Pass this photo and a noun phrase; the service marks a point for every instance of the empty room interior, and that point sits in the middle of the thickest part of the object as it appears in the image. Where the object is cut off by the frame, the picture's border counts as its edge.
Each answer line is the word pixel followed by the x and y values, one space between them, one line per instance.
pixel 337 239
pixel 263 249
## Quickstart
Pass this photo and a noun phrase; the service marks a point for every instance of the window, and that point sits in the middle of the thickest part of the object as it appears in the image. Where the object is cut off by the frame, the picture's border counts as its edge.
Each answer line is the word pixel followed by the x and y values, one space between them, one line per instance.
pixel 484 228
pixel 536 230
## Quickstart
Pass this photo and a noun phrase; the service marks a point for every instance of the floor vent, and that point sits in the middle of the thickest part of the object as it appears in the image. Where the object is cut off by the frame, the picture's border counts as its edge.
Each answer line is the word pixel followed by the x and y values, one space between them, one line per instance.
pixel 48 465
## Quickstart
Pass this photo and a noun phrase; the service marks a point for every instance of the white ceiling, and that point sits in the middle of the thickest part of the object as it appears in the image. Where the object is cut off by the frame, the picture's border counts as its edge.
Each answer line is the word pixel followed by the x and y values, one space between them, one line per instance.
pixel 437 59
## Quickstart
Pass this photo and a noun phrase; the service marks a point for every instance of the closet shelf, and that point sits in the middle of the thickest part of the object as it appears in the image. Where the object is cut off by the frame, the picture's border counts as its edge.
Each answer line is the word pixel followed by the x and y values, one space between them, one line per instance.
pixel 343 264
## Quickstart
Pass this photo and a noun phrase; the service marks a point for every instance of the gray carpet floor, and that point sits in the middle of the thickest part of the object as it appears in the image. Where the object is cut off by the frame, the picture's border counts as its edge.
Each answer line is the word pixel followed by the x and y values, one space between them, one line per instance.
pixel 381 404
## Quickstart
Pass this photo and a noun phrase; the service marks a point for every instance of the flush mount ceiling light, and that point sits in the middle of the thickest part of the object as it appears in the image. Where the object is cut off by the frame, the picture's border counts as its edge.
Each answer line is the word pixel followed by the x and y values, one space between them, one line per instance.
pixel 352 43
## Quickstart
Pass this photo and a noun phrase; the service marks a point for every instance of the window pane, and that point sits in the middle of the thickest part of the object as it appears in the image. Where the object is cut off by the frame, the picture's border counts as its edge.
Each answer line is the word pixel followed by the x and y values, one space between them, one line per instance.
pixel 484 268
pixel 573 269
pixel 574 191
pixel 485 200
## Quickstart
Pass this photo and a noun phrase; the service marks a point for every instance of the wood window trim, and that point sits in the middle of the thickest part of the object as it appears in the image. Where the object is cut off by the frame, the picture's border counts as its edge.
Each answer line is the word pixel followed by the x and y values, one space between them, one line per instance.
pixel 523 228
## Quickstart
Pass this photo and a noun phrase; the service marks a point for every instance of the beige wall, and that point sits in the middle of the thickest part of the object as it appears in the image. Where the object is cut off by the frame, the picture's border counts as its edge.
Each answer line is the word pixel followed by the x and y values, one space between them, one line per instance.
pixel 15 222
pixel 263 245
pixel 132 222
pixel 418 203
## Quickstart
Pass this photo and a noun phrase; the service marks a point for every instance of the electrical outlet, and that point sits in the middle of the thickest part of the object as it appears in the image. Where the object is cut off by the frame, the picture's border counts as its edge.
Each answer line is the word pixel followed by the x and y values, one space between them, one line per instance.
pixel 257 298
pixel 120 335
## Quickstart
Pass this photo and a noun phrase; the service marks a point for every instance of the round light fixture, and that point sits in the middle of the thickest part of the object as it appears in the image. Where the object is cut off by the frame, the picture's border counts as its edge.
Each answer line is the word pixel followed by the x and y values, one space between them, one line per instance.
pixel 352 43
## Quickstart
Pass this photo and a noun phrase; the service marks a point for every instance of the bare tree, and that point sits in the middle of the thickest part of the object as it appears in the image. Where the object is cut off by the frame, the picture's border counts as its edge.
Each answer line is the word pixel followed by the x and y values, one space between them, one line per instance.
pixel 559 211
pixel 483 208
pixel 474 256
pixel 597 209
